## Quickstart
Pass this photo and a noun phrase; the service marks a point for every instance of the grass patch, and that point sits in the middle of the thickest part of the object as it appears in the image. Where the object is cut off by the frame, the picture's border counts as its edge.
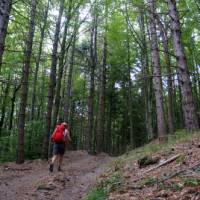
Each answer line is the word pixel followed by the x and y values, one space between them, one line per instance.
pixel 152 148
pixel 191 182
pixel 115 183
pixel 97 194
pixel 150 181
pixel 106 186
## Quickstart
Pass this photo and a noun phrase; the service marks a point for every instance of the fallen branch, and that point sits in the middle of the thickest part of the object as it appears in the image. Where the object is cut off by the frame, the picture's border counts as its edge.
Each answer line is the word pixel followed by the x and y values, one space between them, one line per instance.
pixel 164 163
pixel 157 166
pixel 17 169
pixel 181 171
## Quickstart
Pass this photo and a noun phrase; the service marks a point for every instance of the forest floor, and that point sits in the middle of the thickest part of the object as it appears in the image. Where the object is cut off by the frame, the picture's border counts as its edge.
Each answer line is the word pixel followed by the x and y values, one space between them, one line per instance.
pixel 32 180
pixel 175 176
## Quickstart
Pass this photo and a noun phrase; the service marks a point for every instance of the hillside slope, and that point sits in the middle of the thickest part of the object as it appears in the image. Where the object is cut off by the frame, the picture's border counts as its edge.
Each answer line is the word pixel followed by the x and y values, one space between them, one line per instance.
pixel 32 180
pixel 175 176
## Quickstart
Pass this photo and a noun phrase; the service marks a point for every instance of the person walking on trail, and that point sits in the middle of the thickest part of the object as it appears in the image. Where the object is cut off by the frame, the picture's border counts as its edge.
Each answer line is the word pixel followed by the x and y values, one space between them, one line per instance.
pixel 60 138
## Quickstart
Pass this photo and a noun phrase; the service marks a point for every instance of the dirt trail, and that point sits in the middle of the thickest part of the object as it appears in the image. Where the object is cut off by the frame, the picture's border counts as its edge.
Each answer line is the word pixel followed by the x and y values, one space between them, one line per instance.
pixel 32 181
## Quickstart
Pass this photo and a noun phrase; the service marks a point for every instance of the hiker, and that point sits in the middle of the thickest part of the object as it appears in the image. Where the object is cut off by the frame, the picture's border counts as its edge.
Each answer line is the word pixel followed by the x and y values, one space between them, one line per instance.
pixel 60 138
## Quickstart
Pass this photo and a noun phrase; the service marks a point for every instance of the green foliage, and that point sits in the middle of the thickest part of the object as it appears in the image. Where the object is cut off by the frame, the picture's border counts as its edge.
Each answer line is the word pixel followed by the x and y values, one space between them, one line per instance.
pixel 112 23
pixel 150 181
pixel 113 183
pixel 33 139
pixel 8 148
pixel 34 132
pixel 96 194
pixel 175 186
pixel 191 182
pixel 181 159
pixel 106 186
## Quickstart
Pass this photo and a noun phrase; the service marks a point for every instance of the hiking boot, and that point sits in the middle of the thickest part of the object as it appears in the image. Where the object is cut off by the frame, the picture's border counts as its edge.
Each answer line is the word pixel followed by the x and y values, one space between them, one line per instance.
pixel 51 168
pixel 59 169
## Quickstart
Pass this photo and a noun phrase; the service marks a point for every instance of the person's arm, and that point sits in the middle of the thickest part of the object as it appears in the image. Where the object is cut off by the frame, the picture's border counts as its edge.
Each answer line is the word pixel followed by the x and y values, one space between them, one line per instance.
pixel 68 135
pixel 53 133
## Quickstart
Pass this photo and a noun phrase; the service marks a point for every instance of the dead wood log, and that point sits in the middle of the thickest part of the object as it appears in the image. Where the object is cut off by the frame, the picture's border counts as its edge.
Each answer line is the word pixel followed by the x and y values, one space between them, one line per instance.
pixel 148 160
pixel 163 163
pixel 181 171
pixel 157 166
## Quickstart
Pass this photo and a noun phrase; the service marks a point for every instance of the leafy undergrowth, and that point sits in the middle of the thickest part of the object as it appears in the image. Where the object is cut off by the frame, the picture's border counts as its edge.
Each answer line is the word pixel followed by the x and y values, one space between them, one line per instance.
pixel 177 179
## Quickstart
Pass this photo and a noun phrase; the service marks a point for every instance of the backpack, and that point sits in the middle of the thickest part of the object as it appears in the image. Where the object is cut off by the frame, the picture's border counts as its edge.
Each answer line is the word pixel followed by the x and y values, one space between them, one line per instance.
pixel 58 134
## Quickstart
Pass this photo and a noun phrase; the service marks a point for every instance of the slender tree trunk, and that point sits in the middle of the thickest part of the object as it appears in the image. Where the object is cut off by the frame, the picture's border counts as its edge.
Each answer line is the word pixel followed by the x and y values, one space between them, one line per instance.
pixel 157 80
pixel 130 109
pixel 190 114
pixel 196 78
pixel 109 120
pixel 42 35
pixel 52 83
pixel 82 125
pixel 169 78
pixel 101 106
pixel 3 111
pixel 68 95
pixel 64 82
pixel 93 55
pixel 146 84
pixel 122 141
pixel 24 84
pixel 150 101
pixel 61 65
pixel 16 88
pixel 5 8
pixel 42 91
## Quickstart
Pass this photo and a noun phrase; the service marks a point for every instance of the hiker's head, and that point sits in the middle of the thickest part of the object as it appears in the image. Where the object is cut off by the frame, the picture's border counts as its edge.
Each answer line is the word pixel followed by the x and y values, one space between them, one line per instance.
pixel 65 124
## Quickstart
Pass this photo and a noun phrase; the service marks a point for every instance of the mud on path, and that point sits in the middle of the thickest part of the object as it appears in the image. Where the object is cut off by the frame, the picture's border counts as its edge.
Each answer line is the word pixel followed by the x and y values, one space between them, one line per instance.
pixel 32 180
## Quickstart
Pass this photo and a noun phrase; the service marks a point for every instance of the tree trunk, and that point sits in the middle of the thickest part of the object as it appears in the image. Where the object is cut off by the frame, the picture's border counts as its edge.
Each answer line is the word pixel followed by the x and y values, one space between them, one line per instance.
pixel 52 83
pixel 101 106
pixel 68 95
pixel 3 111
pixel 16 88
pixel 5 8
pixel 82 125
pixel 157 80
pixel 146 86
pixel 24 84
pixel 109 119
pixel 130 109
pixel 190 114
pixel 93 55
pixel 42 35
pixel 61 65
pixel 169 77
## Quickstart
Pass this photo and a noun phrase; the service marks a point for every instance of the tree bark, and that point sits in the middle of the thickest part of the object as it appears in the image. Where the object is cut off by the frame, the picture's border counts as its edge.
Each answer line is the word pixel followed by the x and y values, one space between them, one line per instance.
pixel 146 86
pixel 101 107
pixel 190 114
pixel 3 110
pixel 169 77
pixel 130 109
pixel 61 65
pixel 16 88
pixel 109 118
pixel 42 35
pixel 68 95
pixel 93 55
pixel 52 83
pixel 24 84
pixel 157 79
pixel 5 8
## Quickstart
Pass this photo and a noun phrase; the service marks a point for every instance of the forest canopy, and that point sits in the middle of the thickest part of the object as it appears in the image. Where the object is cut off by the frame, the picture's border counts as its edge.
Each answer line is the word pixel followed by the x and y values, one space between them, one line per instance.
pixel 120 73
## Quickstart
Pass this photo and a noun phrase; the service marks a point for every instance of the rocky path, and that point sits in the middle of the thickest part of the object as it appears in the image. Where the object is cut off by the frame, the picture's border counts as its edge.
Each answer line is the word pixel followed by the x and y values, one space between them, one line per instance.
pixel 32 181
